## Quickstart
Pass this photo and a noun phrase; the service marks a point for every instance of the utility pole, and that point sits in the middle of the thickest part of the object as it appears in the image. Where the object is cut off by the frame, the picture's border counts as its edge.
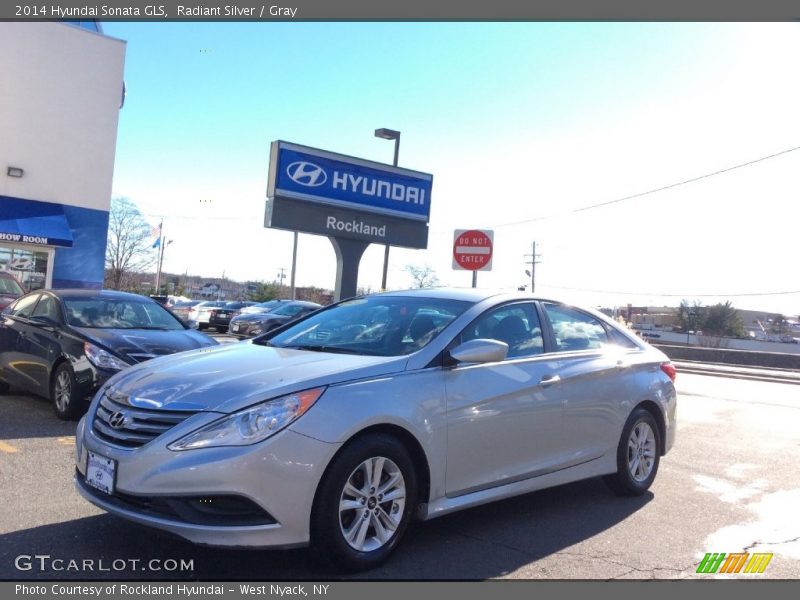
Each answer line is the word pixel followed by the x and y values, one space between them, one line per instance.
pixel 532 262
pixel 281 277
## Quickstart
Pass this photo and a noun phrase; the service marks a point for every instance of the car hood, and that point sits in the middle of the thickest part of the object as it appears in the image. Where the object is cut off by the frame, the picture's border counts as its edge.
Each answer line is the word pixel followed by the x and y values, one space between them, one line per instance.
pixel 137 345
pixel 233 376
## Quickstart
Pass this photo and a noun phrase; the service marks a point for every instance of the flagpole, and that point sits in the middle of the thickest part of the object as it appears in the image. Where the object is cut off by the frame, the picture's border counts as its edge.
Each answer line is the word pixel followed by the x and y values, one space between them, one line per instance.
pixel 160 255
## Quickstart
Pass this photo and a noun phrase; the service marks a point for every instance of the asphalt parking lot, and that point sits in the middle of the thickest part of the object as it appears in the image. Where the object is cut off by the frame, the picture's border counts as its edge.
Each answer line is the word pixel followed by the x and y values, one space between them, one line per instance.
pixel 731 484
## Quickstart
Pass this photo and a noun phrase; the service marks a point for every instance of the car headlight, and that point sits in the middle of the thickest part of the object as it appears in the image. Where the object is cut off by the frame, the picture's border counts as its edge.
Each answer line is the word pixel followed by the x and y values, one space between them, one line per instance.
pixel 102 359
pixel 251 425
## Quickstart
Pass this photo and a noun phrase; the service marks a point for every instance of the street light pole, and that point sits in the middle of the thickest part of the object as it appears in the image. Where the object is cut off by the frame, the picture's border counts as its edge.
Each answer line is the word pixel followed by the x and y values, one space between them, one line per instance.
pixel 388 134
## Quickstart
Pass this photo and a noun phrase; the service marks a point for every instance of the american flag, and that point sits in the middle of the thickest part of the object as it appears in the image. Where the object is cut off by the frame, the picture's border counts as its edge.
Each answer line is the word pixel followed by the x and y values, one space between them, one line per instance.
pixel 156 231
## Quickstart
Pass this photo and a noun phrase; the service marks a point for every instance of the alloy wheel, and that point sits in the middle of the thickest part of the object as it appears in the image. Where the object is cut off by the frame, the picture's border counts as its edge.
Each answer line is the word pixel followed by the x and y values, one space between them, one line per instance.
pixel 641 451
pixel 372 504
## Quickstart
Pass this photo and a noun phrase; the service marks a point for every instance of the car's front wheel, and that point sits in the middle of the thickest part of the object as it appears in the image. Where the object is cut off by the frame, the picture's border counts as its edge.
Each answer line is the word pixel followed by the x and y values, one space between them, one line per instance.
pixel 637 455
pixel 364 504
pixel 63 393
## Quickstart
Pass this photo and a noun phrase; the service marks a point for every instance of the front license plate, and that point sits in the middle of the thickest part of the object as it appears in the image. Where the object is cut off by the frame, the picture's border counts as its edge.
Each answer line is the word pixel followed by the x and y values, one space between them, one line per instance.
pixel 101 472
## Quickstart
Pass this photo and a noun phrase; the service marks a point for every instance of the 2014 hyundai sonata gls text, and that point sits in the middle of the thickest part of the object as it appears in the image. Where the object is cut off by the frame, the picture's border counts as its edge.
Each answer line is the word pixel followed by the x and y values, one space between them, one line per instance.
pixel 336 430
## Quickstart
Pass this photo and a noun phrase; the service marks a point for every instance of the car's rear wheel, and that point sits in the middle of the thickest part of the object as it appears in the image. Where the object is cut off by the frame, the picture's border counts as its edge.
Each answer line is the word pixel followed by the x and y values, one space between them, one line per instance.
pixel 364 504
pixel 202 326
pixel 63 393
pixel 221 329
pixel 638 455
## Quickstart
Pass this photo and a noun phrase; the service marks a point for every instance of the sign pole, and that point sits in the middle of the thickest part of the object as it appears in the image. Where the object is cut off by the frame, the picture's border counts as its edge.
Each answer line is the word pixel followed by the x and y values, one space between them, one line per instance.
pixel 474 279
pixel 294 266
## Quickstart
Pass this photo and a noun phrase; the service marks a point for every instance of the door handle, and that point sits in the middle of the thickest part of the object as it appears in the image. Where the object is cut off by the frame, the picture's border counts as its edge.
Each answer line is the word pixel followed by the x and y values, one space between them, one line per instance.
pixel 549 380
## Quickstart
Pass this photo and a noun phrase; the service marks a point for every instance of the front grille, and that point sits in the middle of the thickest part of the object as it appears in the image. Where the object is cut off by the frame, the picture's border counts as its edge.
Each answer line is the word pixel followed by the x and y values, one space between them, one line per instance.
pixel 140 425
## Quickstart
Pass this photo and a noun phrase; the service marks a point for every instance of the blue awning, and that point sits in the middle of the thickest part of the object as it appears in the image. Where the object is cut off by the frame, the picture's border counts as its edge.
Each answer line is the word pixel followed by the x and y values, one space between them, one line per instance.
pixel 33 222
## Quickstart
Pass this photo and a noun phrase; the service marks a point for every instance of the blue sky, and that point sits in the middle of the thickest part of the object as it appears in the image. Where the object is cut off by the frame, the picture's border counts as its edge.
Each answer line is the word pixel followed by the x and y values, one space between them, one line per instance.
pixel 516 121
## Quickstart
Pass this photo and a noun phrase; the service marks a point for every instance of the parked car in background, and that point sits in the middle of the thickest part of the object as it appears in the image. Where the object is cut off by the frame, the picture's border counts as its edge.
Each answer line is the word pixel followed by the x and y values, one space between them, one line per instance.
pixel 261 307
pixel 200 313
pixel 64 344
pixel 219 318
pixel 335 431
pixel 10 289
pixel 182 310
pixel 251 324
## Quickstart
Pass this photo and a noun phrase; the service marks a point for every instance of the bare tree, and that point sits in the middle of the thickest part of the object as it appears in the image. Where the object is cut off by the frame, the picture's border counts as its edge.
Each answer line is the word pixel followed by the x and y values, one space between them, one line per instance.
pixel 129 248
pixel 424 277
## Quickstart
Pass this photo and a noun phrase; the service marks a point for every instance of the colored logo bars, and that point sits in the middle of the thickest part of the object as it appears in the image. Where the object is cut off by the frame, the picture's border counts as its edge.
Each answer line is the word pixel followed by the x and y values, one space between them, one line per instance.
pixel 742 562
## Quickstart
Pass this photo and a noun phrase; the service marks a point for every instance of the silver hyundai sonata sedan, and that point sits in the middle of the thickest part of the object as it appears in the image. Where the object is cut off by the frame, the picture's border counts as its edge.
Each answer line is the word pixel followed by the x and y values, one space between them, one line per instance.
pixel 336 430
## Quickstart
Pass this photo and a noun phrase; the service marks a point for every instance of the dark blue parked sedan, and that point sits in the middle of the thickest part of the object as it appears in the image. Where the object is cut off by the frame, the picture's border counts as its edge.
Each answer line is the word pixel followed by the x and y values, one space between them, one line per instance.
pixel 63 344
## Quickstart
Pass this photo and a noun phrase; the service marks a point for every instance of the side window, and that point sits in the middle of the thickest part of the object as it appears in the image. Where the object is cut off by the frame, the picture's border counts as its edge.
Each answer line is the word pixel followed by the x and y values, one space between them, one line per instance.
pixel 575 330
pixel 47 307
pixel 516 324
pixel 618 339
pixel 24 306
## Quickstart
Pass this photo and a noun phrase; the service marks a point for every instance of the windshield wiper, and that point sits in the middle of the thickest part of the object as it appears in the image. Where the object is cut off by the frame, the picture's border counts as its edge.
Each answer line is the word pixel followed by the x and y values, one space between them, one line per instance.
pixel 322 348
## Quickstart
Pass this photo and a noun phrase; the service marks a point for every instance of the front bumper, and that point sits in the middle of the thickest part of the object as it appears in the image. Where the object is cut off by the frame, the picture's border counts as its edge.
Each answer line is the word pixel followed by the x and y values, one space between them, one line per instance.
pixel 280 476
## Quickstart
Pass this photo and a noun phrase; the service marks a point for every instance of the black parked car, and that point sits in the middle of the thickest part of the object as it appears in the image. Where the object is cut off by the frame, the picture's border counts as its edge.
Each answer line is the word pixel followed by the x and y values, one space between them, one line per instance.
pixel 248 325
pixel 63 344
pixel 220 317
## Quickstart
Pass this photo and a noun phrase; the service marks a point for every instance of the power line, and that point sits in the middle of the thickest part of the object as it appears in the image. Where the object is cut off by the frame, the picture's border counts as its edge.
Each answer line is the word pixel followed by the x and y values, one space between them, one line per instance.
pixel 653 191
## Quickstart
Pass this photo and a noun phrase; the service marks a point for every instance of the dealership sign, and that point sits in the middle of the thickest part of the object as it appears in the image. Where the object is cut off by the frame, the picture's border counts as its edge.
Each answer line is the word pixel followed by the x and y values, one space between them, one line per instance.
pixel 319 176
pixel 316 191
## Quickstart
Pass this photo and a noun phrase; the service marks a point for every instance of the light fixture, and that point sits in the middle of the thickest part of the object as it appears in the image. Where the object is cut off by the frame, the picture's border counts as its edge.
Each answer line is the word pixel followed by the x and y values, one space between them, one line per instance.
pixel 15 172
pixel 387 134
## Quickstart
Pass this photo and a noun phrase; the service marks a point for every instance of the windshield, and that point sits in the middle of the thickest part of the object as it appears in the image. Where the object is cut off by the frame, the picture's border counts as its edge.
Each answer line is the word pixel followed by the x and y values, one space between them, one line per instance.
pixel 115 313
pixel 289 310
pixel 10 286
pixel 376 325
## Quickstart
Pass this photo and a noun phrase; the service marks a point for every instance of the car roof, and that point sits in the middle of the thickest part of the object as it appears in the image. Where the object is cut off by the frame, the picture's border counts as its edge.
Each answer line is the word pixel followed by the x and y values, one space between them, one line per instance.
pixel 84 293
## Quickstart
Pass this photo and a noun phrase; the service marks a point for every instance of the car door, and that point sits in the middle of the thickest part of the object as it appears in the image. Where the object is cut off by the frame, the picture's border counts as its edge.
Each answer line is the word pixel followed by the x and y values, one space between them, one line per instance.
pixel 503 422
pixel 15 361
pixel 594 381
pixel 43 340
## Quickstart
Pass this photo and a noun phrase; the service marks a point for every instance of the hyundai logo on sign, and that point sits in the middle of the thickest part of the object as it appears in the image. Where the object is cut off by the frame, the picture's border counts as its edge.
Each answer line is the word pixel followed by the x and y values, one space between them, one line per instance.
pixel 306 173
pixel 312 175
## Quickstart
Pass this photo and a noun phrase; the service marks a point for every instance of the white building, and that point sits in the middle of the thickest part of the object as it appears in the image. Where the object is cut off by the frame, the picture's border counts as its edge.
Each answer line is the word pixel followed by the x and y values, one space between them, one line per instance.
pixel 62 89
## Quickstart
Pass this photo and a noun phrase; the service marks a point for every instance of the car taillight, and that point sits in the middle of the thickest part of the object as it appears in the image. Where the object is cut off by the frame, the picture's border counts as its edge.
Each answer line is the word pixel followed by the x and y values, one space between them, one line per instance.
pixel 670 370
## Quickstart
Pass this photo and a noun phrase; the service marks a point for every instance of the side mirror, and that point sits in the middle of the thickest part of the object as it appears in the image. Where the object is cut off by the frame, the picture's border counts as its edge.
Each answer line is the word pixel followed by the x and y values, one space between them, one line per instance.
pixel 480 351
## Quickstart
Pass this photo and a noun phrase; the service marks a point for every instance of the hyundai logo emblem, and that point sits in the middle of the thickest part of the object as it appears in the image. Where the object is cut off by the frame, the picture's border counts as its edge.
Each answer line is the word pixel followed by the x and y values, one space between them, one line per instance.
pixel 306 173
pixel 117 420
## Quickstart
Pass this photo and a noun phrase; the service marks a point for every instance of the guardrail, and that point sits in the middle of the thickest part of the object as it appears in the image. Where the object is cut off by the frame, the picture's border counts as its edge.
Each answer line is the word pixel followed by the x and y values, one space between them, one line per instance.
pixel 726 356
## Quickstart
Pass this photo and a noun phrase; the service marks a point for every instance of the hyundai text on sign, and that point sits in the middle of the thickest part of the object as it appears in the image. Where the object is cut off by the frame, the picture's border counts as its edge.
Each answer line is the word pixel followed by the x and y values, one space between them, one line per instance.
pixel 472 249
pixel 309 174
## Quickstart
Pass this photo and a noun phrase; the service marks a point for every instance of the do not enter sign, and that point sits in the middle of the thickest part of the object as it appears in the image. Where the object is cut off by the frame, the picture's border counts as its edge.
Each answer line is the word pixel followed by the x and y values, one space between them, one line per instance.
pixel 472 249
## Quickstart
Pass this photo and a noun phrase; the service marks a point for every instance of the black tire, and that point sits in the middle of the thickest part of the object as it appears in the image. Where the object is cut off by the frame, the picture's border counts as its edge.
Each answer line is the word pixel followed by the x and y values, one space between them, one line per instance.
pixel 63 393
pixel 328 542
pixel 634 478
pixel 221 329
pixel 202 326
